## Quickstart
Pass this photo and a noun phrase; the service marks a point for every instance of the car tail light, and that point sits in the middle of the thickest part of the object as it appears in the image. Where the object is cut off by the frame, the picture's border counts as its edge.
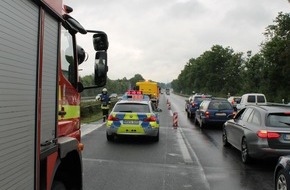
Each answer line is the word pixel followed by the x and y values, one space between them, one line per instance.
pixel 207 114
pixel 112 118
pixel 150 119
pixel 267 135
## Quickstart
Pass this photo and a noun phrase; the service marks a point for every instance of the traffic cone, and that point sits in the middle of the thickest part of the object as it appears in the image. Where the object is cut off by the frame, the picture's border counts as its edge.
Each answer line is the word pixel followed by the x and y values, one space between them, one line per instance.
pixel 175 120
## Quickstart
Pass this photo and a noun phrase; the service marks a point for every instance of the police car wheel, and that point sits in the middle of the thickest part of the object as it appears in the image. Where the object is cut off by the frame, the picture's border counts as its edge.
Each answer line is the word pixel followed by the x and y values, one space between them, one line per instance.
pixel 156 138
pixel 110 137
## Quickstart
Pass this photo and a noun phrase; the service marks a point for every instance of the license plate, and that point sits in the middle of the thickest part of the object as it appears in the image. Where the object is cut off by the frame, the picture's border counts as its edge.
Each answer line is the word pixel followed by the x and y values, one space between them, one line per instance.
pixel 220 114
pixel 287 137
pixel 131 122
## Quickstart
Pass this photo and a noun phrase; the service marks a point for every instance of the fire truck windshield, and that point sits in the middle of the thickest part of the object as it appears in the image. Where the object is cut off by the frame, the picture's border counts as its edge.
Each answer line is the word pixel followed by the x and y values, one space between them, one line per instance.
pixel 67 58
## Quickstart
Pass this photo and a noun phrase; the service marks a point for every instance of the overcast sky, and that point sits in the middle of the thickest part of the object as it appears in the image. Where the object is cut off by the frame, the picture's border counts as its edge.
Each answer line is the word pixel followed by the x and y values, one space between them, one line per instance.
pixel 156 38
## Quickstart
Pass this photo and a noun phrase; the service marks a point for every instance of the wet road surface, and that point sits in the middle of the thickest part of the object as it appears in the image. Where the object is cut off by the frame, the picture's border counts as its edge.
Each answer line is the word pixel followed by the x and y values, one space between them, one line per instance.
pixel 184 158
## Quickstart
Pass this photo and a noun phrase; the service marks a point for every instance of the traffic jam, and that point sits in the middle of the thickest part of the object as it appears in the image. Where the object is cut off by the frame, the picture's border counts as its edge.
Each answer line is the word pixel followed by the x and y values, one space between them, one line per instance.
pixel 253 133
pixel 259 130
pixel 151 137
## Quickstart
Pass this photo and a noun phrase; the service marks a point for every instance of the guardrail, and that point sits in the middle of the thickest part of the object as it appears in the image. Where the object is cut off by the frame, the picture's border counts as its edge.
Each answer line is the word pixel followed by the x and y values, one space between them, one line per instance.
pixel 92 108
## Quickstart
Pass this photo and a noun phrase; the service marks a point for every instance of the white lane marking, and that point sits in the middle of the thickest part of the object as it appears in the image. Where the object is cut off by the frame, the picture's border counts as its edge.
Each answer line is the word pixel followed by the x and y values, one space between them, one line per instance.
pixel 184 150
pixel 88 128
pixel 190 149
pixel 170 113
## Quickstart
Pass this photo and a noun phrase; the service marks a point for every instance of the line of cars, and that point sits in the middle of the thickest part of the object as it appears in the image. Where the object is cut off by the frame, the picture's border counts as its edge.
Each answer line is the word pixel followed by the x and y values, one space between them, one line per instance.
pixel 258 130
pixel 207 110
pixel 261 132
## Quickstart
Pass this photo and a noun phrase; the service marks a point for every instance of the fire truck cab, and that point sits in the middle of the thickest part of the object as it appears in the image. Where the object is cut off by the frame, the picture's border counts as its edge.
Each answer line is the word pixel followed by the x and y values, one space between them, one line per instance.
pixel 40 137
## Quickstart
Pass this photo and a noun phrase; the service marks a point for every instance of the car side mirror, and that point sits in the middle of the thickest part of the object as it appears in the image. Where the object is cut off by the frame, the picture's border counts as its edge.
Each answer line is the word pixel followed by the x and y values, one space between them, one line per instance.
pixel 231 116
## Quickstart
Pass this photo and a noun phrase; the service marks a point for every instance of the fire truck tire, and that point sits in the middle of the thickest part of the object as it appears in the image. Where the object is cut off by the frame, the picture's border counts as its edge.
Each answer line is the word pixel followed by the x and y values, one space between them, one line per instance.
pixel 58 185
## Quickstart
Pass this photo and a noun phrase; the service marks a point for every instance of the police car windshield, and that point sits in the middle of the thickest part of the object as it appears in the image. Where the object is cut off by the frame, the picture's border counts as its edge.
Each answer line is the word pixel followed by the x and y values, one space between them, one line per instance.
pixel 132 107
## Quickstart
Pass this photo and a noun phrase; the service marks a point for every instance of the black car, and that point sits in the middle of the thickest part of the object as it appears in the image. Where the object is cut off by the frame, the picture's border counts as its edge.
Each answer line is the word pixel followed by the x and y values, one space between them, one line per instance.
pixel 282 173
pixel 259 131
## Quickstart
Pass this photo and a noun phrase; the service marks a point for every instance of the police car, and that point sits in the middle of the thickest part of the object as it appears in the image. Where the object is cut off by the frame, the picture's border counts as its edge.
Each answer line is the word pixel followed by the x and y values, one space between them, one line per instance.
pixel 134 115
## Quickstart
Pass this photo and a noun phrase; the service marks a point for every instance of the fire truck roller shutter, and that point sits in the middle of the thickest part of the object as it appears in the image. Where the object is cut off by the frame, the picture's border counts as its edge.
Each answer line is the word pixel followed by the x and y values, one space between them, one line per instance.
pixel 49 83
pixel 18 60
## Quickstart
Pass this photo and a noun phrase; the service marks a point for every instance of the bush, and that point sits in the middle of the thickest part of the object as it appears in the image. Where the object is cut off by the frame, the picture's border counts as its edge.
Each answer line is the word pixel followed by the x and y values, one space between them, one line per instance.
pixel 91 111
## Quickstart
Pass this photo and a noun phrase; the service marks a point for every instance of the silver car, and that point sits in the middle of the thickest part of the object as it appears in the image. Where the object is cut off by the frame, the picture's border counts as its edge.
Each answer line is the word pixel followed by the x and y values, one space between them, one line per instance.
pixel 259 131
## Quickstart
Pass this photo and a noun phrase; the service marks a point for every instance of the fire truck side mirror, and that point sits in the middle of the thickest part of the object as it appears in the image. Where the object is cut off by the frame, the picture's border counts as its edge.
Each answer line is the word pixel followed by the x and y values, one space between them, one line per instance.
pixel 100 41
pixel 73 25
pixel 101 68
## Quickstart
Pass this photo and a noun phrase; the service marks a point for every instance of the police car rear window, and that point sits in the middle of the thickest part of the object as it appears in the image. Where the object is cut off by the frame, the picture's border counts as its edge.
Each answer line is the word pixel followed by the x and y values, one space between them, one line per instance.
pixel 131 107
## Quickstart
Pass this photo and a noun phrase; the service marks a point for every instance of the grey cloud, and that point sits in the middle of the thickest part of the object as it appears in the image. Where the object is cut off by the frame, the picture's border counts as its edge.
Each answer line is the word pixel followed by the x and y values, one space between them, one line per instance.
pixel 155 38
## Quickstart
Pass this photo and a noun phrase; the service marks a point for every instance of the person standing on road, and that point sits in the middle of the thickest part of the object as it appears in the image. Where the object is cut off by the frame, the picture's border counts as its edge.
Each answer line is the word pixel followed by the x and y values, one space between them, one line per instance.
pixel 105 104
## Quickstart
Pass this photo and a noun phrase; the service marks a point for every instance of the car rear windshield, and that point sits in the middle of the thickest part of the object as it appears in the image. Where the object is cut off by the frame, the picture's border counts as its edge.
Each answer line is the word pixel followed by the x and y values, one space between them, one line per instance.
pixel 237 100
pixel 279 120
pixel 200 99
pixel 130 107
pixel 252 99
pixel 261 99
pixel 220 106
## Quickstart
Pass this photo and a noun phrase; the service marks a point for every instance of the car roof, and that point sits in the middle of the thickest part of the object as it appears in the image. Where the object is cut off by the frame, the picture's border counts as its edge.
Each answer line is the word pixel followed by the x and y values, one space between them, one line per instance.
pixel 273 108
pixel 133 102
pixel 217 100
pixel 202 95
pixel 234 97
pixel 260 94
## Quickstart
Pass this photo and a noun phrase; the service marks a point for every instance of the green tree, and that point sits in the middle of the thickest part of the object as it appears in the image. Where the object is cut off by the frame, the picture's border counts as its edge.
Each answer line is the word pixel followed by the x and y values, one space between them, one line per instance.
pixel 276 53
pixel 253 77
pixel 136 78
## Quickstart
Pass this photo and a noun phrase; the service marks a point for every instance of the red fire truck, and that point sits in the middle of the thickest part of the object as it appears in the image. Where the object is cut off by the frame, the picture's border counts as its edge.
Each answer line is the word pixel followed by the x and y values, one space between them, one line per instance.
pixel 40 138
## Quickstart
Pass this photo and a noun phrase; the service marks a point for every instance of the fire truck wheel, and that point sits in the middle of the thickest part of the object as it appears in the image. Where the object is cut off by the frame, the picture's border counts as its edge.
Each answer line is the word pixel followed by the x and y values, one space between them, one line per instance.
pixel 58 185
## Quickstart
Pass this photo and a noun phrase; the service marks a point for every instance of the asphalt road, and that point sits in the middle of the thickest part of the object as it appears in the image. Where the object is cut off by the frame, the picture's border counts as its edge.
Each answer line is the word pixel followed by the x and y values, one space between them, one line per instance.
pixel 184 158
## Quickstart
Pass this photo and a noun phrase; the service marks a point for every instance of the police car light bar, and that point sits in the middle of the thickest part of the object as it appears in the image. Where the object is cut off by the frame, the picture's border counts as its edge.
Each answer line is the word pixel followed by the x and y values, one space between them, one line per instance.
pixel 133 92
pixel 135 95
